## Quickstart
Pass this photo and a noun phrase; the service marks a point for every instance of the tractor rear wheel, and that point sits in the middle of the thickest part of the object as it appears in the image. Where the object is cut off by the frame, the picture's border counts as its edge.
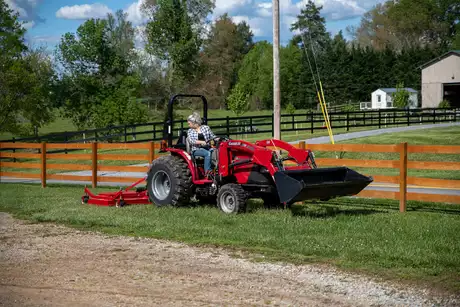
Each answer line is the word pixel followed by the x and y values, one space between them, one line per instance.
pixel 231 198
pixel 169 181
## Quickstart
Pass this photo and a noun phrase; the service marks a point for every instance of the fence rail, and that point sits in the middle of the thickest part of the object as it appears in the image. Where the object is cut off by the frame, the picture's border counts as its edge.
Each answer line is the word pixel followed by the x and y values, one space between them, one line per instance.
pixel 47 165
pixel 308 122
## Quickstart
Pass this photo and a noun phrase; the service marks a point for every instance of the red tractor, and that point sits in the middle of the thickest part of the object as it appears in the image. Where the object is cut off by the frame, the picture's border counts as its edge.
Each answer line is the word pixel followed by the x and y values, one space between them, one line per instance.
pixel 241 170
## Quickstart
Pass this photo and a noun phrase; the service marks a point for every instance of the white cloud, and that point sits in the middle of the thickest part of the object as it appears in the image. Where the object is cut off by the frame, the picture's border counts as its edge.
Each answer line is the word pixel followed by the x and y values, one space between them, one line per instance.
pixel 259 14
pixel 45 38
pixel 238 19
pixel 28 25
pixel 256 24
pixel 230 6
pixel 27 10
pixel 135 14
pixel 341 9
pixel 139 37
pixel 84 11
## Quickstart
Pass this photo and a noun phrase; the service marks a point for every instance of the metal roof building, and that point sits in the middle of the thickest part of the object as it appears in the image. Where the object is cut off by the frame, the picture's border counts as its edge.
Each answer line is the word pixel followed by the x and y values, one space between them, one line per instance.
pixel 441 80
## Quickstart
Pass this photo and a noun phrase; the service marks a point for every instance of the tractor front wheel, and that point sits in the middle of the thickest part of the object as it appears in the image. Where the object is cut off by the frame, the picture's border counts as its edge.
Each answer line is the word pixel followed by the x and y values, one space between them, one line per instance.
pixel 169 181
pixel 231 198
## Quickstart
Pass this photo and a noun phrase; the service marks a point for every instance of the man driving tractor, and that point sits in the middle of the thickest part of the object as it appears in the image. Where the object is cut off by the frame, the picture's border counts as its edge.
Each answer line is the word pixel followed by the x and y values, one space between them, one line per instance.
pixel 200 137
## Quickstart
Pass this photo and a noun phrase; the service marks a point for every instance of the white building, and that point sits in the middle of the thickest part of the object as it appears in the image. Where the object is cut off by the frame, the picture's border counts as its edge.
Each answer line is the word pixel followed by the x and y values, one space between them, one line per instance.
pixel 383 98
pixel 441 80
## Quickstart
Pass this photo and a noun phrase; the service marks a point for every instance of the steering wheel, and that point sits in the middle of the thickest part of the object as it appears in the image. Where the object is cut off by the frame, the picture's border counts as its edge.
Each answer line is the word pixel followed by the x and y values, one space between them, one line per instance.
pixel 218 139
pixel 288 158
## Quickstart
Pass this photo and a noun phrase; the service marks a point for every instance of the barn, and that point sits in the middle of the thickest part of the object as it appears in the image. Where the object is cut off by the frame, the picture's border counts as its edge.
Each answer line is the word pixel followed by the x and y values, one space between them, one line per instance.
pixel 441 80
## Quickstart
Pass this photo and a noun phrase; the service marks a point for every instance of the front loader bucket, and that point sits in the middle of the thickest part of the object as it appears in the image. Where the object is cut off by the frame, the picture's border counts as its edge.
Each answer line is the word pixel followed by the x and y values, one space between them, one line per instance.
pixel 319 183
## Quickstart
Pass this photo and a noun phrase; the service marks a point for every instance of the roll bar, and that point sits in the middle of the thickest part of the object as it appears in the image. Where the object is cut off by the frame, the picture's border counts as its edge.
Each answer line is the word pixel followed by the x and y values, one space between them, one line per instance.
pixel 167 132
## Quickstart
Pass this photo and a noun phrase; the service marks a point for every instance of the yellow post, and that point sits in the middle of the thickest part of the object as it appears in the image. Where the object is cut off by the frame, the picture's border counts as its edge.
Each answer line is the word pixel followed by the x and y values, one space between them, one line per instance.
pixel 327 115
pixel 325 119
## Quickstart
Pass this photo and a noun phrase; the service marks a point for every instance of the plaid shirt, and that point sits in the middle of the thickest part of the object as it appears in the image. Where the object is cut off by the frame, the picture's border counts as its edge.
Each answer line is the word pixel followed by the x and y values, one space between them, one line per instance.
pixel 193 136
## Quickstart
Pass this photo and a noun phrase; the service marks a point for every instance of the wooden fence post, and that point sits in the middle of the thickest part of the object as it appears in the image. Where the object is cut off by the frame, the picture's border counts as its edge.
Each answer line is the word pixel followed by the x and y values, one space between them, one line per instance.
pixel 402 177
pixel 302 145
pixel 43 167
pixel 151 152
pixel 94 166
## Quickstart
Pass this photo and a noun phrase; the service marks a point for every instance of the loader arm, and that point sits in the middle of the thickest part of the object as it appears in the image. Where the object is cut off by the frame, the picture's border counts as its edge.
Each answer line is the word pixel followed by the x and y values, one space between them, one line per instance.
pixel 300 155
pixel 254 155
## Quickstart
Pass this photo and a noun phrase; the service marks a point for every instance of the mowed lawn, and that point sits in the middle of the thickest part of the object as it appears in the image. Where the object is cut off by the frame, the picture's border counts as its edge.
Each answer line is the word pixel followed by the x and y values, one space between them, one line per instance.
pixel 368 236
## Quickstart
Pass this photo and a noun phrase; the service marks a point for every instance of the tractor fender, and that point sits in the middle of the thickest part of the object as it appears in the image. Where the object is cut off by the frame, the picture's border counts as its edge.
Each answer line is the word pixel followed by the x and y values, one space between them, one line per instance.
pixel 186 156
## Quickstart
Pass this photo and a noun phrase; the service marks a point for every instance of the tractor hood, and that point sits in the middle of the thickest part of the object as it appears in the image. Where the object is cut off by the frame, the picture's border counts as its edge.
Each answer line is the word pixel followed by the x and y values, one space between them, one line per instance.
pixel 319 183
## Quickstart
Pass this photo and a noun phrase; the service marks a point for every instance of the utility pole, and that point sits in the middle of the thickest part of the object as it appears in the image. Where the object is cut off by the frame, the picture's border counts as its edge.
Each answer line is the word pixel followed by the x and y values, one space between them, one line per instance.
pixel 276 70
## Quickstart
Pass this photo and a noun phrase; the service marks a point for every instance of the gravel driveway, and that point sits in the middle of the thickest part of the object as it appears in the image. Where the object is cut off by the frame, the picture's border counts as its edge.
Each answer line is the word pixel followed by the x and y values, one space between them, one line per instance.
pixel 49 265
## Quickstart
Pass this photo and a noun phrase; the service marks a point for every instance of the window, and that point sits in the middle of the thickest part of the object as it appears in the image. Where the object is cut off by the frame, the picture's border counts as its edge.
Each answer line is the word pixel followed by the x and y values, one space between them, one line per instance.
pixel 379 98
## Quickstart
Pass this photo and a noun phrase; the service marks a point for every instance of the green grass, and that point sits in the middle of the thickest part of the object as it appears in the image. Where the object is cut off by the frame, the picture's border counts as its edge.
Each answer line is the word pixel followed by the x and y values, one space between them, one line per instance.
pixel 367 236
pixel 60 124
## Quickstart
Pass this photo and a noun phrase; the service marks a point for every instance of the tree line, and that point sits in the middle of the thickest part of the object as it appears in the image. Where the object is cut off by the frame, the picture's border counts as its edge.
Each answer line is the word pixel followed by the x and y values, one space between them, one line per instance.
pixel 100 77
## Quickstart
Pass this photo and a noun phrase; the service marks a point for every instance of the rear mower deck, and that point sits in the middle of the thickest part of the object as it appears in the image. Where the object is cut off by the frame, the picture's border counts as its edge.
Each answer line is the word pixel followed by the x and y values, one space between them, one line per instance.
pixel 120 198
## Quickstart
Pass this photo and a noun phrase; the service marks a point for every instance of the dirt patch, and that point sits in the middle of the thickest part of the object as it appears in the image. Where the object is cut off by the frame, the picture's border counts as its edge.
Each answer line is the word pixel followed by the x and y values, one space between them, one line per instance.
pixel 49 265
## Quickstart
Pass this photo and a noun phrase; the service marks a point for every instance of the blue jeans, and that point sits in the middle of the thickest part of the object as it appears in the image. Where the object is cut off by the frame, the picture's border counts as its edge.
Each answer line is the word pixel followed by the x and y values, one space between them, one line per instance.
pixel 201 152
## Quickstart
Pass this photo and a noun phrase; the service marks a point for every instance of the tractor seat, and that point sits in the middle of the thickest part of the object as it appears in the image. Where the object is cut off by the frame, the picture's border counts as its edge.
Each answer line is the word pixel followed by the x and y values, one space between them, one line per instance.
pixel 188 148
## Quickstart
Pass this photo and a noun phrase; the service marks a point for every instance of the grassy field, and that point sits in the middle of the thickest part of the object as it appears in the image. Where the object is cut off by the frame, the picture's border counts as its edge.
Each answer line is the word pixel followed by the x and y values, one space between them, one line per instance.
pixel 361 235
pixel 366 236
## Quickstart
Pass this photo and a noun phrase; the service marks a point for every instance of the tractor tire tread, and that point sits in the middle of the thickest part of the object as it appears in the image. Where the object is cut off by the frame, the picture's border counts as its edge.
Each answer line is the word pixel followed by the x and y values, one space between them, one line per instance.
pixel 239 192
pixel 181 175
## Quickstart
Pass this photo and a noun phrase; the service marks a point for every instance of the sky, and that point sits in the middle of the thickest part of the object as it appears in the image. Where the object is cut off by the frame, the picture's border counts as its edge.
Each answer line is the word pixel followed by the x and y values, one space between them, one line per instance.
pixel 48 20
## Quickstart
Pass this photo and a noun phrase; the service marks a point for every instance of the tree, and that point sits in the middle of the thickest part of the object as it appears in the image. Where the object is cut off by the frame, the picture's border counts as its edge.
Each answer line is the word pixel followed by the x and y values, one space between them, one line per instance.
pixel 121 106
pixel 290 73
pixel 26 76
pixel 174 34
pixel 456 38
pixel 222 54
pixel 311 28
pixel 238 101
pixel 98 62
pixel 374 28
pixel 408 24
pixel 335 68
pixel 290 108
pixel 11 34
pixel 255 76
pixel 401 97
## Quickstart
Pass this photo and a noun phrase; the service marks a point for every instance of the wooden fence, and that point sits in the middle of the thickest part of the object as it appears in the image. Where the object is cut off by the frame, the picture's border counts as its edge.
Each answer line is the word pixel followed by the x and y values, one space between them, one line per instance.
pixel 43 162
